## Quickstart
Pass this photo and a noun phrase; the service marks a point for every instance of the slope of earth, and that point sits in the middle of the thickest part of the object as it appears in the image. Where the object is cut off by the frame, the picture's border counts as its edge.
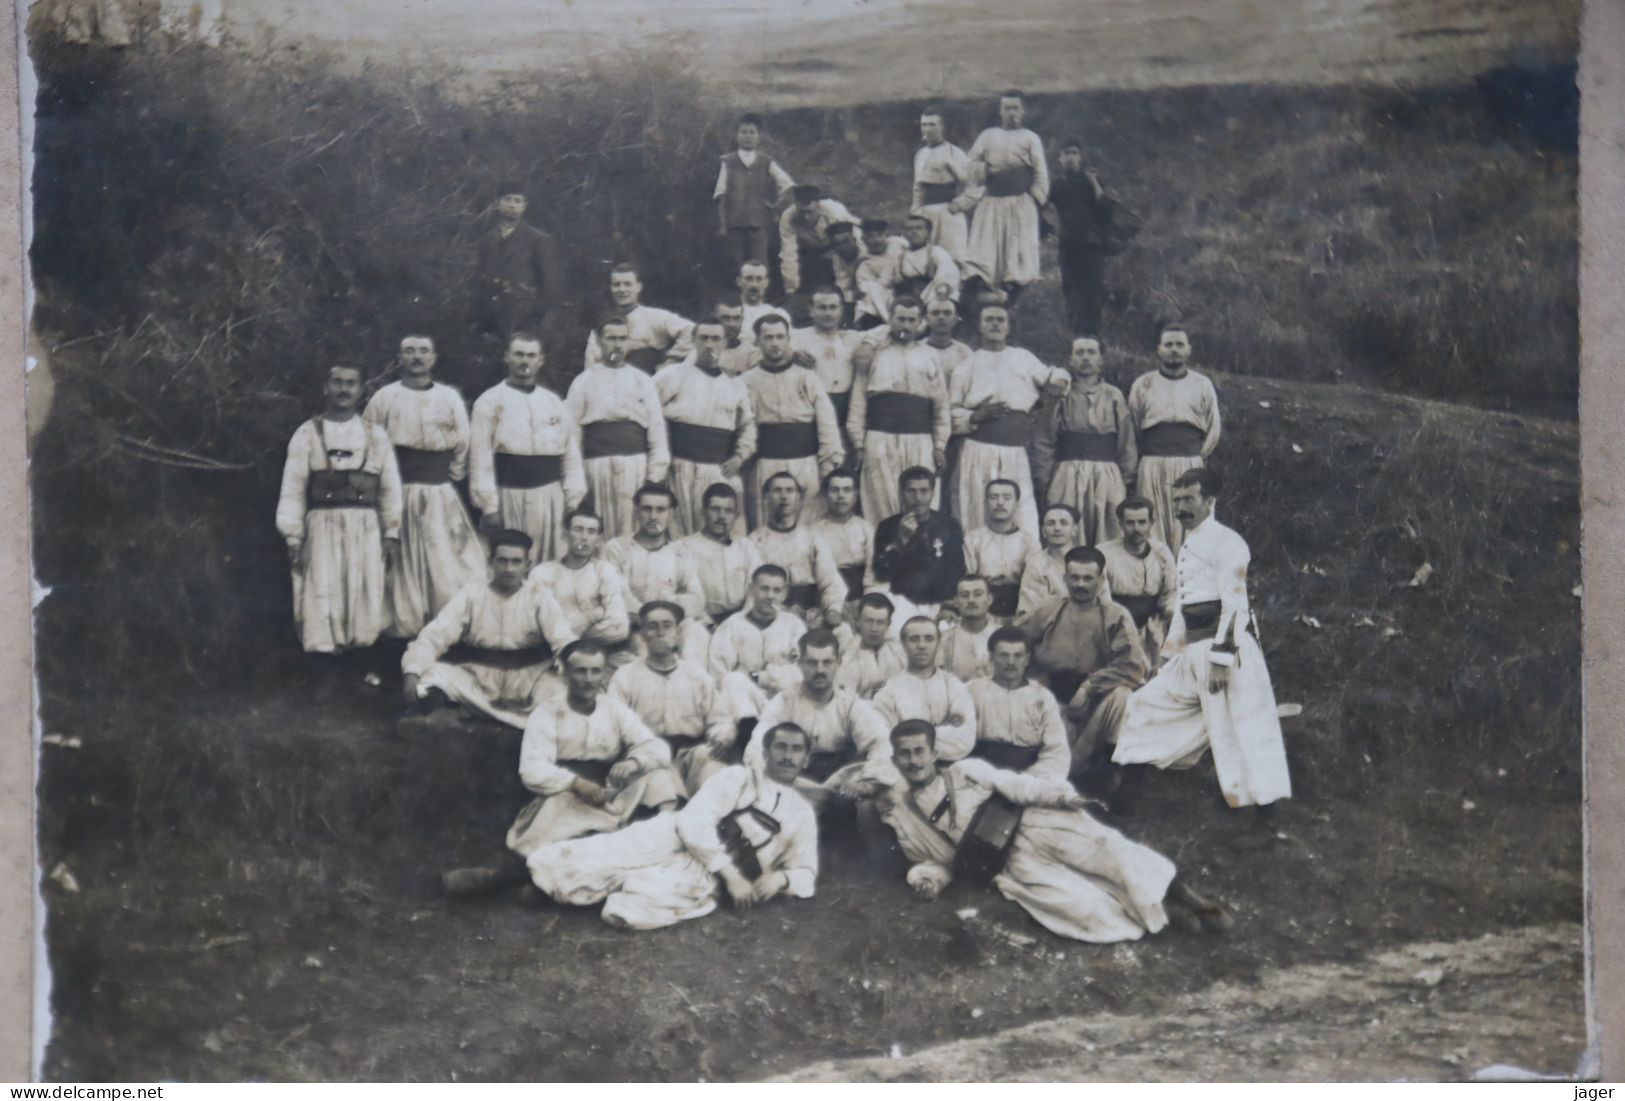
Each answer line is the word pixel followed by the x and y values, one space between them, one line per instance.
pixel 252 872
pixel 835 52
pixel 1414 1012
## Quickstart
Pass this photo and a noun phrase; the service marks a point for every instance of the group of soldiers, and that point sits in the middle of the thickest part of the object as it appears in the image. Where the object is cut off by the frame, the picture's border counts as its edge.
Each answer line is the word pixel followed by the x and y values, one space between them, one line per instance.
pixel 747 582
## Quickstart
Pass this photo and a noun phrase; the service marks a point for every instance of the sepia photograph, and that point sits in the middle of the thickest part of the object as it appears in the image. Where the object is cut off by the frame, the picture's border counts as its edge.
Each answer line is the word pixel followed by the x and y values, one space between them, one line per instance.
pixel 833 540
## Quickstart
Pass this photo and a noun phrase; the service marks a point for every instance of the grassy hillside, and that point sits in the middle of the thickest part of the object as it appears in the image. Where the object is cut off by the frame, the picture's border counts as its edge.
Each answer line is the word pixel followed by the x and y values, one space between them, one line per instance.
pixel 214 226
pixel 254 851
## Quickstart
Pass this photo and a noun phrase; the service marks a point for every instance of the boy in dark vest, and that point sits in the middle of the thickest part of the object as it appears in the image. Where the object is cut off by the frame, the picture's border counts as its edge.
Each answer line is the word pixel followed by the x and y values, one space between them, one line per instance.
pixel 748 192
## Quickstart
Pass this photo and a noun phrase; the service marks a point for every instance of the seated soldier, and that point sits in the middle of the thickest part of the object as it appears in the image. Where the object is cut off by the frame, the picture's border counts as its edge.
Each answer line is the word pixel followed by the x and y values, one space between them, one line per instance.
pixel 1088 650
pixel 676 699
pixel 1018 722
pixel 920 552
pixel 924 691
pixel 817 590
pixel 964 651
pixel 871 655
pixel 849 537
pixel 591 591
pixel 998 550
pixel 848 735
pixel 1075 876
pixel 591 763
pixel 1043 576
pixel 723 558
pixel 657 567
pixel 753 654
pixel 489 648
pixel 744 834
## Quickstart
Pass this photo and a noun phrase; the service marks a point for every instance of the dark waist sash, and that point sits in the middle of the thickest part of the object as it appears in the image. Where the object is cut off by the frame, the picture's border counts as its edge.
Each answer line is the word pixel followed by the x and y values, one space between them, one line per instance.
pixel 528 471
pixel 804 595
pixel 424 468
pixel 1201 620
pixel 596 771
pixel 1005 430
pixel 1171 440
pixel 1064 683
pixel 341 489
pixel 1006 595
pixel 842 403
pixel 822 765
pixel 464 654
pixel 697 443
pixel 682 741
pixel 1007 182
pixel 606 438
pixel 1141 605
pixel 853 576
pixel 904 414
pixel 1007 755
pixel 933 193
pixel 646 359
pixel 1088 447
pixel 787 440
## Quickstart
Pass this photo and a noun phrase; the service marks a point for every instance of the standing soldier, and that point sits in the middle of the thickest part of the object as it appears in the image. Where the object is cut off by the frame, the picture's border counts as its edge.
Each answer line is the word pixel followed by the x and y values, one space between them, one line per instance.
pixel 524 454
pixel 993 392
pixel 1213 691
pixel 710 426
pixel 796 431
pixel 1086 453
pixel 1176 420
pixel 1008 161
pixel 834 354
pixel 623 430
pixel 943 192
pixel 1090 217
pixel 749 189
pixel 999 549
pixel 899 415
pixel 440 550
pixel 340 514
pixel 516 271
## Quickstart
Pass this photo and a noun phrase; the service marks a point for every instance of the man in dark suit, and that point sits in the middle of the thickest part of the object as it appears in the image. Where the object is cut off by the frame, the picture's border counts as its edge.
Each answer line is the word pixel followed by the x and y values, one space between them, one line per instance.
pixel 517 274
pixel 919 554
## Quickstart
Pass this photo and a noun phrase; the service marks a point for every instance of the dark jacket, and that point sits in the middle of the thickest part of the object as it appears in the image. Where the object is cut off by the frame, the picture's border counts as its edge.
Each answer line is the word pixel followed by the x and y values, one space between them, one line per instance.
pixel 1088 224
pixel 517 278
pixel 926 568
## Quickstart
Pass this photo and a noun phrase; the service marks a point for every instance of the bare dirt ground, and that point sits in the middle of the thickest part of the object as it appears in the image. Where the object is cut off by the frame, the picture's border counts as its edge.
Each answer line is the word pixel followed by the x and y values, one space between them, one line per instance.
pixel 1419 1011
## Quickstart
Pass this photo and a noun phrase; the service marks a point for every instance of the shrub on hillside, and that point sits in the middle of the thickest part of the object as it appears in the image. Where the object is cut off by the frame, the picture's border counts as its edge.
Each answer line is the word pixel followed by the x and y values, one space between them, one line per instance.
pixel 215 226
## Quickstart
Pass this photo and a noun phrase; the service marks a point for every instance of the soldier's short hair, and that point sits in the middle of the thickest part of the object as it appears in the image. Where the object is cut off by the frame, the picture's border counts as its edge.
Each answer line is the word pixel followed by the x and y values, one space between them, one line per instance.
pixel 719 491
pixel 909 728
pixel 780 730
pixel 1204 478
pixel 508 537
pixel 820 638
pixel 1086 554
pixel 660 606
pixel 587 646
pixel 878 601
pixel 1129 504
pixel 1009 634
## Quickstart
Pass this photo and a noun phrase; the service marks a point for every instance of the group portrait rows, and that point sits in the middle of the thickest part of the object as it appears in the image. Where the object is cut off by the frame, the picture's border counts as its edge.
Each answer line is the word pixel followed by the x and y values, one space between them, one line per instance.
pixel 848 564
